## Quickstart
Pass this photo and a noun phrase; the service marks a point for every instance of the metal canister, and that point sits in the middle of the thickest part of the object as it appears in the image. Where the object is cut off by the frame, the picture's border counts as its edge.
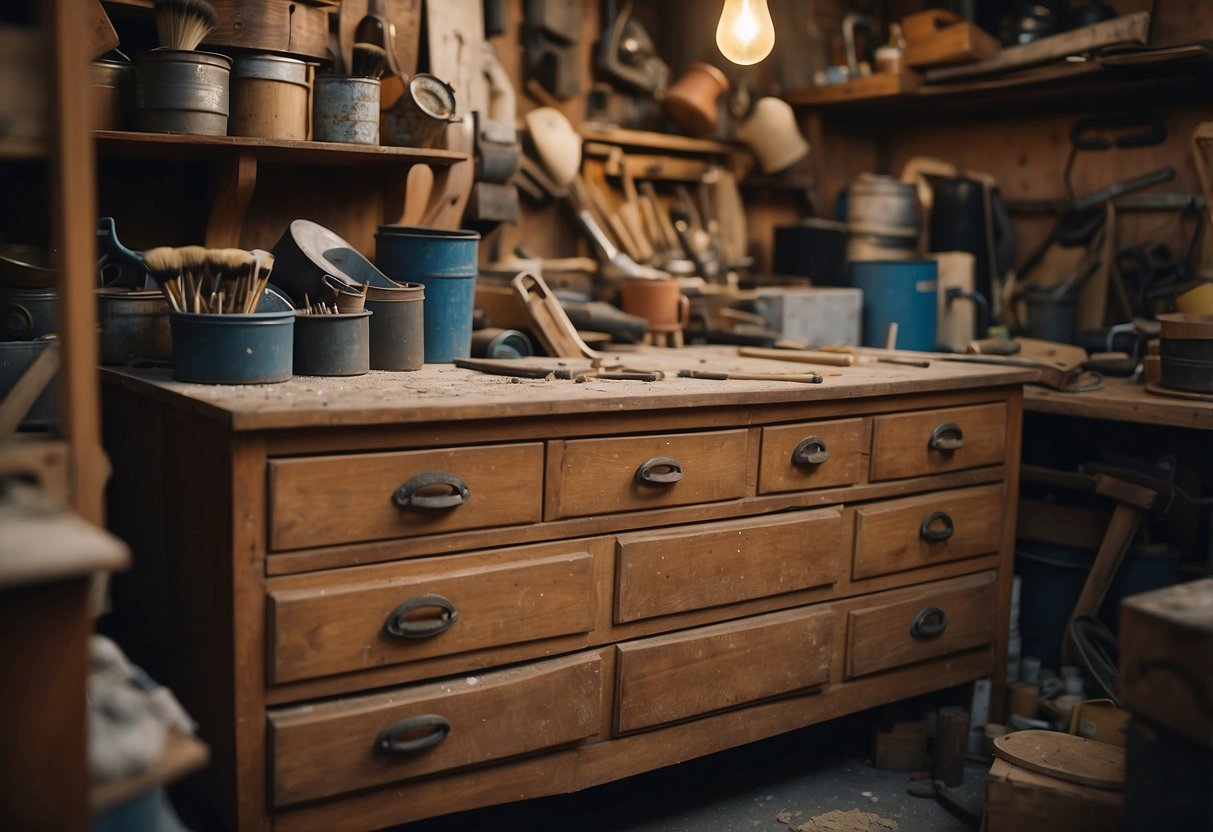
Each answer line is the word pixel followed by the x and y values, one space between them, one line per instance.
pixel 26 314
pixel 133 325
pixel 111 87
pixel 182 91
pixel 346 109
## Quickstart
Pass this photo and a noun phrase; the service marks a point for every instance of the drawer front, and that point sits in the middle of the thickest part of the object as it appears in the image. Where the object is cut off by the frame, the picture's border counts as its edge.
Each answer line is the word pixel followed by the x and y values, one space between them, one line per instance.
pixel 690 568
pixel 341 627
pixel 335 747
pixel 813 455
pixel 687 674
pixel 947 617
pixel 937 441
pixel 920 531
pixel 598 476
pixel 321 501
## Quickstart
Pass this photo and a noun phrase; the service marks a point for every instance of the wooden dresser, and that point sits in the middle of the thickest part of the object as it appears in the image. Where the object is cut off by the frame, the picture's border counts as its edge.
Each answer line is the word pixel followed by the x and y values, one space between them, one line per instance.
pixel 407 594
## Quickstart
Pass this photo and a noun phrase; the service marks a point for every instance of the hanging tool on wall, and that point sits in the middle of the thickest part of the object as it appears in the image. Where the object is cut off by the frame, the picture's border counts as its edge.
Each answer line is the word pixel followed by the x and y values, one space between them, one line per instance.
pixel 552 38
pixel 635 75
pixel 498 154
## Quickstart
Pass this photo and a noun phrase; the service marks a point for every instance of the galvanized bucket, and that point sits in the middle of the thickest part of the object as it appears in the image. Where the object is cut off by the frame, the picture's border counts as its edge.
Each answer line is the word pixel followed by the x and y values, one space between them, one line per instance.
pixel 398 328
pixel 133 325
pixel 26 314
pixel 346 109
pixel 179 91
pixel 333 345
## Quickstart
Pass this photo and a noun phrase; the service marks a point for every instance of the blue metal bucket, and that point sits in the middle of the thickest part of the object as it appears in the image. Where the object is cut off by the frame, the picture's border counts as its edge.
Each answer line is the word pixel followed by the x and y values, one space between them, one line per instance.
pixel 232 349
pixel 444 262
pixel 901 292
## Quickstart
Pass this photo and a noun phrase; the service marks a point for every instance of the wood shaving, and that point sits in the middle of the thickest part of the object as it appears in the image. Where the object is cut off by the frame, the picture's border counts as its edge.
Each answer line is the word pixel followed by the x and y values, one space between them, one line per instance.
pixel 850 821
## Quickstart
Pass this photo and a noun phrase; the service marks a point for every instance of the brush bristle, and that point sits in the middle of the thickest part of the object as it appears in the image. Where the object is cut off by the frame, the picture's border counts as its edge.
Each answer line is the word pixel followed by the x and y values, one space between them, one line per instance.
pixel 193 258
pixel 183 24
pixel 162 262
pixel 368 61
pixel 233 262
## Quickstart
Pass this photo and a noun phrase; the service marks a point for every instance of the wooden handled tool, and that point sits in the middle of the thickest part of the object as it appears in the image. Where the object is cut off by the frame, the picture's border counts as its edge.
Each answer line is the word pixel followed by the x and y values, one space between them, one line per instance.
pixel 550 323
pixel 509 367
pixel 803 378
pixel 829 359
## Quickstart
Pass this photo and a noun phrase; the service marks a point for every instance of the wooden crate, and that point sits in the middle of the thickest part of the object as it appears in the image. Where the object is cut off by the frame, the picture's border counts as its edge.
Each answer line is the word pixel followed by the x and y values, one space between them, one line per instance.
pixel 1166 639
pixel 1019 800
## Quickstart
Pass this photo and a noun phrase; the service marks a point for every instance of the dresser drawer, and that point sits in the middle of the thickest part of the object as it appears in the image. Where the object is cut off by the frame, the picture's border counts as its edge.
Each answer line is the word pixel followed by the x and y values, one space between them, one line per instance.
pixel 920 531
pixel 937 441
pixel 813 455
pixel 944 617
pixel 694 567
pixel 708 669
pixel 320 501
pixel 421 609
pixel 339 746
pixel 598 476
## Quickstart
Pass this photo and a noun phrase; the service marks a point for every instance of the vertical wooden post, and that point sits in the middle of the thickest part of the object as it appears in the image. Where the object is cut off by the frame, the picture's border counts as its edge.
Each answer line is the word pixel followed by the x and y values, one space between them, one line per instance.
pixel 74 227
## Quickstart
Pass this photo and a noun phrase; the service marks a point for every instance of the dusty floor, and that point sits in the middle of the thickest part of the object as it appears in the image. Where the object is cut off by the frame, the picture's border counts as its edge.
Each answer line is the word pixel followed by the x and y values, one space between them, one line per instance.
pixel 818 778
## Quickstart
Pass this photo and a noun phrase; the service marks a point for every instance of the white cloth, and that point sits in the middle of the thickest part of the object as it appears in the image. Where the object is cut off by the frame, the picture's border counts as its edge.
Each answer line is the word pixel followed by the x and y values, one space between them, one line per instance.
pixel 129 715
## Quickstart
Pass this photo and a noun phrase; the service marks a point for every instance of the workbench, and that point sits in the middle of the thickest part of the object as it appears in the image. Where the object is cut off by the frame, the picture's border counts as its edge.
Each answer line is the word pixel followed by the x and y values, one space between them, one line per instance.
pixel 1121 400
pixel 402 595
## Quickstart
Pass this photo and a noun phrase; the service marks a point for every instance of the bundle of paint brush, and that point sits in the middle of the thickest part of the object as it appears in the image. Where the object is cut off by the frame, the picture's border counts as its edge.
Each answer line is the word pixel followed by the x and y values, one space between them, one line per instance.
pixel 227 281
pixel 183 24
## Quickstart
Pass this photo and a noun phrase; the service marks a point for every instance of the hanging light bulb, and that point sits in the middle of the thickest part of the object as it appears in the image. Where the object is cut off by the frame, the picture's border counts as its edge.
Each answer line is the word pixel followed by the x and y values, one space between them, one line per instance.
pixel 745 33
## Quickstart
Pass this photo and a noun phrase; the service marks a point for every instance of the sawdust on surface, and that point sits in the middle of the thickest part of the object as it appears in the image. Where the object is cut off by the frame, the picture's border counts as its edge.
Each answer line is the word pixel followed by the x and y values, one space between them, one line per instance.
pixel 852 820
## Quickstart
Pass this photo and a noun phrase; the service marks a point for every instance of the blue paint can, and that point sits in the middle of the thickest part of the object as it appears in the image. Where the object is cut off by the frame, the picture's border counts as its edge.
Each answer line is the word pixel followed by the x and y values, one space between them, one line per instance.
pixel 444 262
pixel 901 292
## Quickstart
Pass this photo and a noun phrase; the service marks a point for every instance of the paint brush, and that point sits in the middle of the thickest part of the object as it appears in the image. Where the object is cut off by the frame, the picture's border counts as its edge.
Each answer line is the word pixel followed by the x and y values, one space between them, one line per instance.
pixel 164 264
pixel 183 24
pixel 368 60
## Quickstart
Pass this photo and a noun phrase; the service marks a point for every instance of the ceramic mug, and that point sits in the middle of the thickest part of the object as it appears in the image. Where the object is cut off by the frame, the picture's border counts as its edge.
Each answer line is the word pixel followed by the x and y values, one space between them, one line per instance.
pixel 660 302
pixel 691 101
pixel 773 135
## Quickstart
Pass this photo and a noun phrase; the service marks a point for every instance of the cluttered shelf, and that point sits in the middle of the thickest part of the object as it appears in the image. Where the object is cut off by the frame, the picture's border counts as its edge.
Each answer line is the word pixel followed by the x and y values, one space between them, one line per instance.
pixel 118 143
pixel 1182 74
pixel 948 64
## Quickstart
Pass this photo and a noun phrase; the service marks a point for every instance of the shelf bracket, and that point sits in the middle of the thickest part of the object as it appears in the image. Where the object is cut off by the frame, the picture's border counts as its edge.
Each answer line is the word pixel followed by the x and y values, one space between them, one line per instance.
pixel 232 201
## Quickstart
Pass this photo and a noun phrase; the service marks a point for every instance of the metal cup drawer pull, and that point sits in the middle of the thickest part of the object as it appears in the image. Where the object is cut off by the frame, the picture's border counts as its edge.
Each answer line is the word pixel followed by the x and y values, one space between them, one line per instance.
pixel 411 494
pixel 928 533
pixel 399 625
pixel 947 437
pixel 660 470
pixel 811 451
pixel 417 733
pixel 929 623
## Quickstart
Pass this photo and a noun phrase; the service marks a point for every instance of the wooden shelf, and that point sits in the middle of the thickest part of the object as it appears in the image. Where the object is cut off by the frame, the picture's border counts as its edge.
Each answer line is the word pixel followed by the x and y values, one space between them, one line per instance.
pixel 21 149
pixel 124 144
pixel 1181 75
pixel 669 142
pixel 240 158
pixel 45 542
pixel 41 458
